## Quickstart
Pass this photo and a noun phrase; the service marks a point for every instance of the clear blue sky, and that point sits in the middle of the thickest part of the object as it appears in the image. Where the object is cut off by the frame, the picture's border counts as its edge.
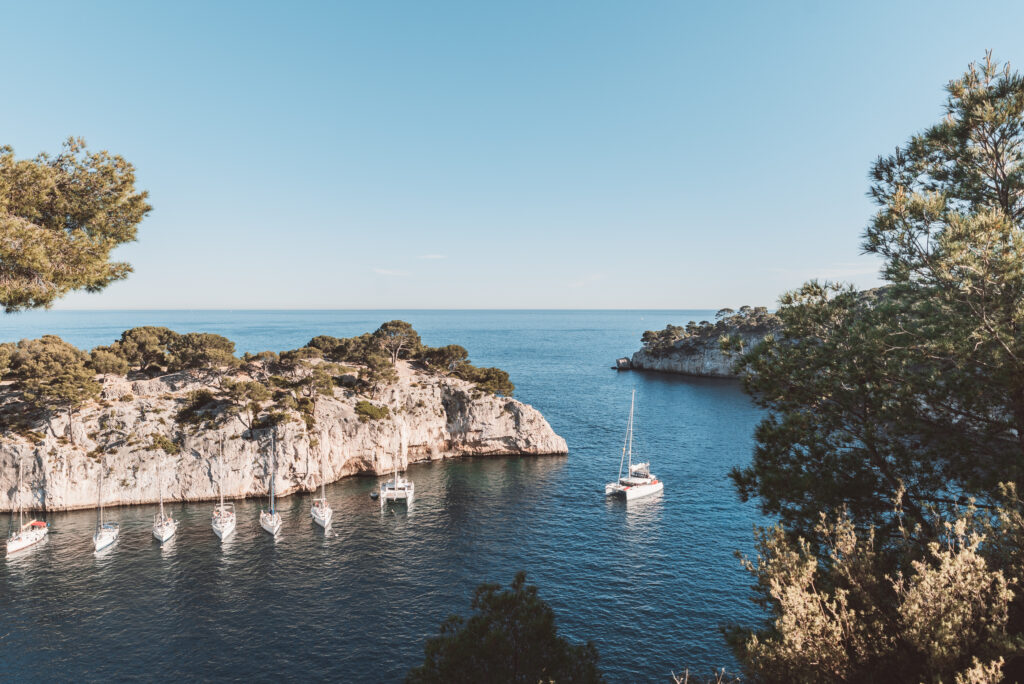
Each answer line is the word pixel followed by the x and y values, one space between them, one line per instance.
pixel 489 155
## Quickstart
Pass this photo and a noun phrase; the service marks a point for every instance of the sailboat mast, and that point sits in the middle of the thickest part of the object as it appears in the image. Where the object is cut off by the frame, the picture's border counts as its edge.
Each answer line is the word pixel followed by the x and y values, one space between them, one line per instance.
pixel 273 467
pixel 220 475
pixel 632 403
pixel 21 501
pixel 100 495
pixel 160 478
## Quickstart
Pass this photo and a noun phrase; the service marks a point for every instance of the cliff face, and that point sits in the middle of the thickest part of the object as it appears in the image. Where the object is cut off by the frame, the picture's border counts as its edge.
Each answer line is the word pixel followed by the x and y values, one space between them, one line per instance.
pixel 431 418
pixel 704 358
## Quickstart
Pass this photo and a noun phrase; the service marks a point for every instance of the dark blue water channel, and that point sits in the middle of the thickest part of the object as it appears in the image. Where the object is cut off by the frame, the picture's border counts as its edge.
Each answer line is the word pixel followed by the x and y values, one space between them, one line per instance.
pixel 650 582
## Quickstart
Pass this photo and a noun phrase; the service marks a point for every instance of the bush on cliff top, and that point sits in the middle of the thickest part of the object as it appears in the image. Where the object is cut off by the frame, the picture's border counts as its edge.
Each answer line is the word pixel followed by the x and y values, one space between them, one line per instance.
pixel 367 411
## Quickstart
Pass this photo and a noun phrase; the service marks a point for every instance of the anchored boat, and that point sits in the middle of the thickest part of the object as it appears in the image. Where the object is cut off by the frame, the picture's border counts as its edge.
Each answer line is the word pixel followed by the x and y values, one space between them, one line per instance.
pixel 271 520
pixel 106 532
pixel 223 519
pixel 28 533
pixel 638 481
pixel 164 526
pixel 321 510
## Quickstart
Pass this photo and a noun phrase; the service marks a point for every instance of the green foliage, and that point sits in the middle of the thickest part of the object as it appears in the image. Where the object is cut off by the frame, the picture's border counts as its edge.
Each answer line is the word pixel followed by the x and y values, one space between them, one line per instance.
pixel 747 321
pixel 271 420
pixel 51 374
pixel 145 346
pixel 367 411
pixel 105 362
pixel 245 400
pixel 490 380
pixel 60 219
pixel 378 372
pixel 445 359
pixel 201 351
pixel 165 444
pixel 295 356
pixel 511 637
pixel 840 614
pixel 197 406
pixel 7 350
pixel 917 388
pixel 398 340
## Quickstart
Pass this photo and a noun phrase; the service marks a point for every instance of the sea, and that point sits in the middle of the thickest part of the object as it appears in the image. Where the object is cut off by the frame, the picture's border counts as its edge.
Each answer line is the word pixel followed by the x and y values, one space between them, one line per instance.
pixel 650 582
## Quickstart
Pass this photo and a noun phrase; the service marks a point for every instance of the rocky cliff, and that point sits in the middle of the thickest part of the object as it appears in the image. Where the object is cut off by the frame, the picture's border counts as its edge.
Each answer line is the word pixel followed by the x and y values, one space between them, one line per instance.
pixel 430 417
pixel 697 348
pixel 705 358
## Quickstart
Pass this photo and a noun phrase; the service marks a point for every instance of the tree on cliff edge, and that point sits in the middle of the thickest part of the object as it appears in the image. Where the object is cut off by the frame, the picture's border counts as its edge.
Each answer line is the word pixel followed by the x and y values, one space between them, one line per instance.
pixel 60 219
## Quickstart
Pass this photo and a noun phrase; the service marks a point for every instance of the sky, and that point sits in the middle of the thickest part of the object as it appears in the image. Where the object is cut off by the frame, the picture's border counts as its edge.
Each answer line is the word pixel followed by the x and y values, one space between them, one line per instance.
pixel 528 154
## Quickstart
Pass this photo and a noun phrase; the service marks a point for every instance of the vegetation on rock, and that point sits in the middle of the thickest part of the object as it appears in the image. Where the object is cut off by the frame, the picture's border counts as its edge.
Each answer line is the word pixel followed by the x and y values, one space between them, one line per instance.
pixel 728 323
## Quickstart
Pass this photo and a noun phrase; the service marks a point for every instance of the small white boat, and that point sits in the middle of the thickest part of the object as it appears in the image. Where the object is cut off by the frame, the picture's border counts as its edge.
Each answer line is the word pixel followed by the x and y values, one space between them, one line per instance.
pixel 398 489
pixel 28 533
pixel 164 526
pixel 321 510
pixel 639 481
pixel 106 532
pixel 223 519
pixel 271 520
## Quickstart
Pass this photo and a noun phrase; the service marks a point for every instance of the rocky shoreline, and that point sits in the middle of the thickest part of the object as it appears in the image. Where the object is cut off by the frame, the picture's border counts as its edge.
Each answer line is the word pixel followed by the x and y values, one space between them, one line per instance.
pixel 430 417
pixel 697 349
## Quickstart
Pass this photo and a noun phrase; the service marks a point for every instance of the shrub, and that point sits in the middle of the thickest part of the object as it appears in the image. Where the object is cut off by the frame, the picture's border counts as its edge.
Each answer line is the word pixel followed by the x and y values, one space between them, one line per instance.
pixel 367 411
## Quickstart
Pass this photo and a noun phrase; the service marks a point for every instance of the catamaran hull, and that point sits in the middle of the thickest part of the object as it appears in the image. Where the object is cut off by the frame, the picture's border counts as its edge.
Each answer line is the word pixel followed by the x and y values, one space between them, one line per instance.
pixel 634 491
pixel 25 540
pixel 224 528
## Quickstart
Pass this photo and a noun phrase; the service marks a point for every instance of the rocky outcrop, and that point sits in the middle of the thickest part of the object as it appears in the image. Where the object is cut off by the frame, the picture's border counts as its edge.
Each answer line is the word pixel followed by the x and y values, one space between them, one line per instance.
pixel 431 417
pixel 704 358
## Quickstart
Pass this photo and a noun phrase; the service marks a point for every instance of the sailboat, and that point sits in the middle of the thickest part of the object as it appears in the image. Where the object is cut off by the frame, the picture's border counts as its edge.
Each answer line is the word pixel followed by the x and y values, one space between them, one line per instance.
pixel 164 526
pixel 28 533
pixel 398 488
pixel 638 481
pixel 106 532
pixel 321 510
pixel 271 520
pixel 223 520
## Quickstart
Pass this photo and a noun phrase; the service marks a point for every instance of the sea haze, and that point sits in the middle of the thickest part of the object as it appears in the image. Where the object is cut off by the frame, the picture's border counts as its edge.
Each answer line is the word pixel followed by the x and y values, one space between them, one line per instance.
pixel 649 582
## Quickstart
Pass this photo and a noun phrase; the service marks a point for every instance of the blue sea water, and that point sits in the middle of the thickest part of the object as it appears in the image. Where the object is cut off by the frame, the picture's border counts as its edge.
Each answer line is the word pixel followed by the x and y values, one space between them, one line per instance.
pixel 650 582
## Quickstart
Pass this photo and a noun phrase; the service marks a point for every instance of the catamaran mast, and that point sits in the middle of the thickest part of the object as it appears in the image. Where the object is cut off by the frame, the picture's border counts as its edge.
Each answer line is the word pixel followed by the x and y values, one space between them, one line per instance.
pixel 632 402
pixel 101 493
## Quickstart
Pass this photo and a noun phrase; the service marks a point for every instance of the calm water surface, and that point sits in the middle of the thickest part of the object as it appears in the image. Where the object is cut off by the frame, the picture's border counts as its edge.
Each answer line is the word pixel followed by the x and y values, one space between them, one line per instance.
pixel 649 582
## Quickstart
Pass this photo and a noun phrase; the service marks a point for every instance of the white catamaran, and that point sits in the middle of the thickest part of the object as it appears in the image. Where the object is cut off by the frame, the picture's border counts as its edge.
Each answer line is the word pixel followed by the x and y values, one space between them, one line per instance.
pixel 106 532
pixel 164 526
pixel 271 520
pixel 28 533
pixel 638 481
pixel 223 520
pixel 398 488
pixel 321 510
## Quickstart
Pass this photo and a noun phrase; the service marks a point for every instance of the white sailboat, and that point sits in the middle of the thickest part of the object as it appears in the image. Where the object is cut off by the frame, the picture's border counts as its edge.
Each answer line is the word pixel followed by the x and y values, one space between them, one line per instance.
pixel 321 510
pixel 271 520
pixel 28 533
pixel 106 532
pixel 164 526
pixel 223 520
pixel 638 481
pixel 398 489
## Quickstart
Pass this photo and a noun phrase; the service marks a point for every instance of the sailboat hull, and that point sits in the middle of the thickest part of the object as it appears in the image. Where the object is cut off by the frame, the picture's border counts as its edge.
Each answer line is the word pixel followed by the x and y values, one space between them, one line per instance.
pixel 162 531
pixel 26 538
pixel 270 522
pixel 321 516
pixel 223 527
pixel 105 536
